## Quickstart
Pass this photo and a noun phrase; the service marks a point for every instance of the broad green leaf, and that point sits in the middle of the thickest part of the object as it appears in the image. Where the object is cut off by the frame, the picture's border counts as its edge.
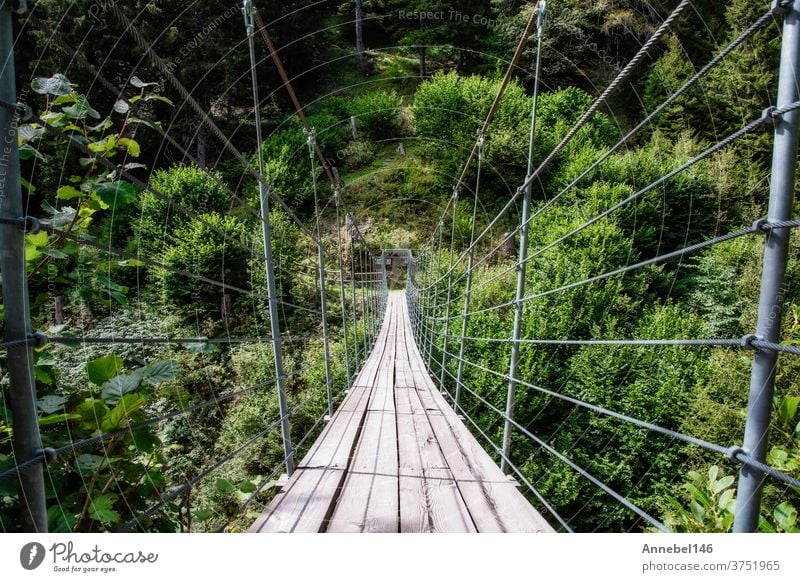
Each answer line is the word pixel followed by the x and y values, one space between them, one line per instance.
pixel 116 194
pixel 27 185
pixel 65 99
pixel 27 151
pixel 68 193
pixel 224 486
pixel 39 239
pixel 101 509
pixel 133 147
pixel 122 106
pixel 713 472
pixel 144 441
pixel 60 520
pixel 103 125
pixel 58 84
pixel 127 409
pixel 81 110
pixel 697 510
pixel 57 418
pixel 725 499
pixel 103 369
pixel 788 408
pixel 159 372
pixel 786 515
pixel 247 487
pixel 89 463
pixel 50 403
pixel 92 412
pixel 54 253
pixel 139 84
pixel 117 387
pixel 157 97
pixel 203 515
pixel 723 483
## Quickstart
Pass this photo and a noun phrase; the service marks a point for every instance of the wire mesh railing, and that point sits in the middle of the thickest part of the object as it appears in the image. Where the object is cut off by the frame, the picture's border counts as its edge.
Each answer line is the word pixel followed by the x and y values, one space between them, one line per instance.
pixel 286 278
pixel 444 280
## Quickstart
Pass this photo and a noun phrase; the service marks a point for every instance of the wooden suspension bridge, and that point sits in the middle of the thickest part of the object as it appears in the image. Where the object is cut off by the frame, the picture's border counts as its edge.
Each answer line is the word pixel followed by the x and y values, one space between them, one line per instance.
pixel 396 458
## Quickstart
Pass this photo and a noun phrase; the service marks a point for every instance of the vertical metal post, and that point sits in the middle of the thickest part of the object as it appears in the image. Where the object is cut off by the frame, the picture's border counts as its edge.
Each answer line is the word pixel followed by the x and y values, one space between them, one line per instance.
pixel 449 293
pixel 523 256
pixel 353 289
pixel 770 308
pixel 323 296
pixel 336 198
pixel 468 284
pixel 364 313
pixel 432 334
pixel 280 376
pixel 27 442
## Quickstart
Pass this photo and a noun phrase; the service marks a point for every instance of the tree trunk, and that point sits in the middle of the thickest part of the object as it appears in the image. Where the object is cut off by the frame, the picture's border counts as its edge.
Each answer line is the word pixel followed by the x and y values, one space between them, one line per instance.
pixel 227 304
pixel 201 145
pixel 422 50
pixel 359 30
pixel 58 318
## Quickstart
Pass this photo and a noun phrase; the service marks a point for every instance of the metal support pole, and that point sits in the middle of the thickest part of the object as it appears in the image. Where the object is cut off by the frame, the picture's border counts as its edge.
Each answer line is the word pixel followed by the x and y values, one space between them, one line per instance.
pixel 27 442
pixel 353 289
pixel 449 294
pixel 280 376
pixel 432 334
pixel 523 256
pixel 323 298
pixel 770 308
pixel 336 198
pixel 468 284
pixel 364 313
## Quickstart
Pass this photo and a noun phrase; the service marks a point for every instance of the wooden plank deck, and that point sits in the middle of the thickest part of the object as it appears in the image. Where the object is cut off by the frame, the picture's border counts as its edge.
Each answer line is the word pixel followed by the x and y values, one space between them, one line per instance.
pixel 396 458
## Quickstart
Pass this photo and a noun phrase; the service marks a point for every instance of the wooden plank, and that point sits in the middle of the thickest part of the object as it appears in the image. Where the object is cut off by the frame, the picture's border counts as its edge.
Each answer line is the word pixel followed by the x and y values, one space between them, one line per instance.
pixel 334 446
pixel 369 497
pixel 429 497
pixel 304 506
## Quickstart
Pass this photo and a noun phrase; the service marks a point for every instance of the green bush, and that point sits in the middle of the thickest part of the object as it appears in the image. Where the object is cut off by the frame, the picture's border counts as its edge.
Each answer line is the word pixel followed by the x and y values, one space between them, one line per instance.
pixel 201 250
pixel 377 114
pixel 193 188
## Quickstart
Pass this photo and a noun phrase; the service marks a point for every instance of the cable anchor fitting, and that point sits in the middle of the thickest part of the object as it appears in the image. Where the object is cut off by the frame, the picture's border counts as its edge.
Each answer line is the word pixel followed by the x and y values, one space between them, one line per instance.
pixel 771 116
pixel 48 454
pixel 734 451
pixel 780 7
pixel 38 340
pixel 761 226
pixel 19 6
pixel 747 341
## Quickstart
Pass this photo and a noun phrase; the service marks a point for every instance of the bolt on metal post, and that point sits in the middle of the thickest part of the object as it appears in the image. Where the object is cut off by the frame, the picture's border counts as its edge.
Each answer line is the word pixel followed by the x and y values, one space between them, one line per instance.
pixel 27 442
pixel 770 308
pixel 523 256
pixel 280 376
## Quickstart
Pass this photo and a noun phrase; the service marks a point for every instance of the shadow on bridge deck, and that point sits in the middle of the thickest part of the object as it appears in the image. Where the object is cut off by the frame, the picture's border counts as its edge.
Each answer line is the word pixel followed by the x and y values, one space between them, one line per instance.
pixel 396 458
